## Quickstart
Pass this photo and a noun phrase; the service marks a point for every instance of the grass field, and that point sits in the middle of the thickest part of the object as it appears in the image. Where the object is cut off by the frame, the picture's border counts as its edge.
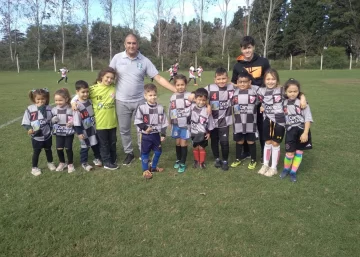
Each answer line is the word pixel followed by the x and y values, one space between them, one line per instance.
pixel 198 213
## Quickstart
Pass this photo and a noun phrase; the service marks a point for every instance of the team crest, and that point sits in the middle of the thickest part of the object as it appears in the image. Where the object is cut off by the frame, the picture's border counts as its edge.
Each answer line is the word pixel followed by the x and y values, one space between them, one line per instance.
pixel 187 103
pixel 285 110
pixel 139 66
pixel 252 99
pixel 202 120
pixel 277 98
pixel 146 118
pixel 231 94
pixel 298 111
pixel 161 118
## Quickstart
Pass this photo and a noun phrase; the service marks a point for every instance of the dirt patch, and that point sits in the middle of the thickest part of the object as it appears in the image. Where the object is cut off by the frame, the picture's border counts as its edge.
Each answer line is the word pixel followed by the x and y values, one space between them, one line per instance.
pixel 342 81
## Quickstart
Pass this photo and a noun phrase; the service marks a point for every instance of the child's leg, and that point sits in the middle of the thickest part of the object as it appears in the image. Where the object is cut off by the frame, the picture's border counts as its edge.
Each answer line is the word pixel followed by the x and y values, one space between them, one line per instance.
pixel 145 160
pixel 239 148
pixel 96 151
pixel 297 161
pixel 178 150
pixel 84 155
pixel 214 135
pixel 156 159
pixel 196 153
pixel 202 155
pixel 224 143
pixel 194 81
pixel 66 78
pixel 267 152
pixel 252 147
pixel 60 153
pixel 288 161
pixel 112 140
pixel 184 150
pixel 103 135
pixel 60 80
pixel 35 157
pixel 275 154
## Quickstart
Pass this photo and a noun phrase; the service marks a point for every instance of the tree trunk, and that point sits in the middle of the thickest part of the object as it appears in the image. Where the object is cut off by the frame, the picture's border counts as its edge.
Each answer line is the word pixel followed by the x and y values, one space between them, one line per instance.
pixel 62 31
pixel 110 32
pixel 134 16
pixel 87 29
pixel 200 23
pixel 225 26
pixel 8 20
pixel 182 28
pixel 38 33
pixel 267 28
pixel 158 3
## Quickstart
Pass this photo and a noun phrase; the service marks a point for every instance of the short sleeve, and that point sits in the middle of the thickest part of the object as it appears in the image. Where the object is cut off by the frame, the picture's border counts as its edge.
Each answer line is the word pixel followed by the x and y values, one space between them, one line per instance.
pixel 307 114
pixel 26 118
pixel 151 70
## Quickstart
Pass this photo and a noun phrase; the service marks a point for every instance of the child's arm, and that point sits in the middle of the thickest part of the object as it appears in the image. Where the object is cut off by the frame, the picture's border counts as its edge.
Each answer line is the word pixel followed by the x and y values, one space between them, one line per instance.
pixel 304 137
pixel 73 103
pixel 303 102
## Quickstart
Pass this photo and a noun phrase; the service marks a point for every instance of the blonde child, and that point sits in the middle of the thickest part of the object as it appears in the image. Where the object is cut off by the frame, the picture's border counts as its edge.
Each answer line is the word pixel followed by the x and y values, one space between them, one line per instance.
pixel 37 122
pixel 63 129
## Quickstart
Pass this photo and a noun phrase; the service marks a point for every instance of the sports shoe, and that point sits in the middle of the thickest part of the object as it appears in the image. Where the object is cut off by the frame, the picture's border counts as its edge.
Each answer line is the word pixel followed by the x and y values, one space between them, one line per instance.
pixel 225 166
pixel 177 165
pixel 157 169
pixel 196 165
pixel 284 173
pixel 270 172
pixel 86 166
pixel 51 166
pixel 293 177
pixel 182 168
pixel 36 171
pixel 202 165
pixel 110 166
pixel 252 165
pixel 71 168
pixel 236 163
pixel 218 163
pixel 97 162
pixel 128 159
pixel 147 174
pixel 263 169
pixel 244 155
pixel 61 166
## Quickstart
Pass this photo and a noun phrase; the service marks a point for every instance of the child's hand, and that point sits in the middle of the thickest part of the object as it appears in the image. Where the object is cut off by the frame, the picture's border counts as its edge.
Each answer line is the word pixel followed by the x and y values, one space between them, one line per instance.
pixel 30 131
pixel 262 109
pixel 74 107
pixel 69 124
pixel 148 130
pixel 191 97
pixel 208 109
pixel 55 119
pixel 207 136
pixel 162 139
pixel 304 138
pixel 303 103
pixel 81 137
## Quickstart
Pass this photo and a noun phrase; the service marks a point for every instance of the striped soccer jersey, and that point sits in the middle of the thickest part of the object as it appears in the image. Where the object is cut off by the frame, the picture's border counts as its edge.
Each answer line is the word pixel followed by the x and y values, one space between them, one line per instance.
pixel 41 125
pixel 201 122
pixel 294 115
pixel 272 100
pixel 153 116
pixel 65 115
pixel 179 110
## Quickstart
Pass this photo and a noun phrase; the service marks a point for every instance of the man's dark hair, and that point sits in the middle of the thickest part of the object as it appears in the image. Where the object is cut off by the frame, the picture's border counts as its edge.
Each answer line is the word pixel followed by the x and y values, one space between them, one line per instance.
pixel 220 71
pixel 200 92
pixel 247 40
pixel 80 84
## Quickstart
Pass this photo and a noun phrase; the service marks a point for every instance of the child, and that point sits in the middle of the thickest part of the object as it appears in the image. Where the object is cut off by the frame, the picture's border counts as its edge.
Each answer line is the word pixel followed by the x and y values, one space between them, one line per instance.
pixel 179 112
pixel 298 137
pixel 84 125
pixel 192 74
pixel 245 128
pixel 199 71
pixel 171 73
pixel 151 121
pixel 63 129
pixel 64 71
pixel 220 95
pixel 201 125
pixel 37 122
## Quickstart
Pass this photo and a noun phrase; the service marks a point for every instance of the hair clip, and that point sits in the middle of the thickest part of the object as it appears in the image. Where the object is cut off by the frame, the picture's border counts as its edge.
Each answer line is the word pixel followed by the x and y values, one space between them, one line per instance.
pixel 33 90
pixel 45 89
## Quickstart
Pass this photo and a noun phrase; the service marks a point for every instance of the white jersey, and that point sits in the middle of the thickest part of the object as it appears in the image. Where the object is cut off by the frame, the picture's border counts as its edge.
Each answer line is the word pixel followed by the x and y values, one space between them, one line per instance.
pixel 199 71
pixel 191 72
pixel 63 72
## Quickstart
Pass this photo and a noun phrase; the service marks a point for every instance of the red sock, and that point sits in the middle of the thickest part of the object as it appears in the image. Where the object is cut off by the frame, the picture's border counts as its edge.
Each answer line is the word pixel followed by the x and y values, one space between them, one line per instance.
pixel 196 154
pixel 202 155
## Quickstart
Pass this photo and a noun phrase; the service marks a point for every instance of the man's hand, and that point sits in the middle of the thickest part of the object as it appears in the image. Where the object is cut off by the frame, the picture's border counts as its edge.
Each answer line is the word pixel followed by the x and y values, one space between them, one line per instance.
pixel 81 137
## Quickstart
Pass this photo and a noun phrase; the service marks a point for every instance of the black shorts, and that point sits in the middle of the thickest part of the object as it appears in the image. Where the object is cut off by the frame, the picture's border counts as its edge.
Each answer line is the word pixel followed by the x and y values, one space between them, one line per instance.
pixel 47 144
pixel 292 140
pixel 273 131
pixel 220 134
pixel 199 140
pixel 64 142
pixel 246 137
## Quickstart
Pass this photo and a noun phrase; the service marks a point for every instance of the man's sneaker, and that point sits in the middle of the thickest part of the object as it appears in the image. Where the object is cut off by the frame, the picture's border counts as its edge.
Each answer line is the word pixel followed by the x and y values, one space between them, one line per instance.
pixel 252 165
pixel 177 165
pixel 218 163
pixel 225 166
pixel 293 177
pixel 202 165
pixel 244 155
pixel 51 166
pixel 110 166
pixel 284 173
pixel 36 171
pixel 263 169
pixel 97 162
pixel 182 168
pixel 236 163
pixel 270 172
pixel 71 168
pixel 196 165
pixel 86 166
pixel 128 159
pixel 61 166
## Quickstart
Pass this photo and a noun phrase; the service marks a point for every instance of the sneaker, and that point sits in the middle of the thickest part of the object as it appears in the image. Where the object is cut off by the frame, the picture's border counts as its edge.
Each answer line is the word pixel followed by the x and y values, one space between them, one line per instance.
pixel 218 163
pixel 293 177
pixel 111 166
pixel 157 169
pixel 177 165
pixel 147 174
pixel 86 166
pixel 51 166
pixel 270 172
pixel 252 165
pixel 263 169
pixel 182 168
pixel 36 171
pixel 236 163
pixel 61 166
pixel 225 166
pixel 97 162
pixel 71 168
pixel 284 173
pixel 202 165
pixel 196 165
pixel 244 155
pixel 128 159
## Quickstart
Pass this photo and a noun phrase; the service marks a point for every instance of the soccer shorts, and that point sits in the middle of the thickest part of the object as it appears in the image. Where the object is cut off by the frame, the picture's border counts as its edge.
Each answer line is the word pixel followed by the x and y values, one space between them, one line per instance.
pixel 150 142
pixel 273 131
pixel 47 144
pixel 64 141
pixel 199 140
pixel 177 132
pixel 246 137
pixel 292 140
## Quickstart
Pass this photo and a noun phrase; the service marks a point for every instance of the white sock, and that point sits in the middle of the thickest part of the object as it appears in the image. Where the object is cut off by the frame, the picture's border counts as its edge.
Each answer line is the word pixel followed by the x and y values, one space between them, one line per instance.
pixel 267 154
pixel 275 156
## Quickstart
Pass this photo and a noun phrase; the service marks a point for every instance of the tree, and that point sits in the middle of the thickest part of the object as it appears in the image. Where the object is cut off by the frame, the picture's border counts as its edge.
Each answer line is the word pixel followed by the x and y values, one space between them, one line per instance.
pixel 182 13
pixel 86 7
pixel 200 7
pixel 63 8
pixel 7 10
pixel 224 10
pixel 108 9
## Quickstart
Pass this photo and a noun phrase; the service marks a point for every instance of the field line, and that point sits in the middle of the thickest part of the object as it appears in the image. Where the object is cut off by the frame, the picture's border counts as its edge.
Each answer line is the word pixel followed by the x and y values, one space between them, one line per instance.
pixel 10 122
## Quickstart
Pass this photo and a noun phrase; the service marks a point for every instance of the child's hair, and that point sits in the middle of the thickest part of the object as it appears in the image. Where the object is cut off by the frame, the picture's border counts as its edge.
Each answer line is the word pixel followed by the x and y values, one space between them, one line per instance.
pixel 102 73
pixel 64 93
pixel 247 40
pixel 180 76
pixel 245 74
pixel 291 82
pixel 273 73
pixel 220 71
pixel 81 84
pixel 42 91
pixel 200 92
pixel 149 88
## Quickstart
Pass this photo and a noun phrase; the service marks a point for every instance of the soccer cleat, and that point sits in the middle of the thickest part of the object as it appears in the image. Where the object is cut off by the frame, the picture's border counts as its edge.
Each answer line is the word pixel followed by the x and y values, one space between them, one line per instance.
pixel 218 163
pixel 71 168
pixel 61 166
pixel 110 166
pixel 51 166
pixel 182 168
pixel 177 165
pixel 244 155
pixel 86 166
pixel 236 163
pixel 147 174
pixel 225 166
pixel 203 165
pixel 36 171
pixel 270 172
pixel 284 173
pixel 128 159
pixel 263 169
pixel 252 165
pixel 293 177
pixel 196 165
pixel 97 162
pixel 157 169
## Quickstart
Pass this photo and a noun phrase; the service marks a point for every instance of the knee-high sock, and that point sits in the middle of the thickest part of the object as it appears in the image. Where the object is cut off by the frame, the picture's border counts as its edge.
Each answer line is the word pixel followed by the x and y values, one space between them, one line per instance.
pixel 145 161
pixel 239 149
pixel 252 148
pixel 183 154
pixel 178 153
pixel 61 155
pixel 196 153
pixel 70 155
pixel 267 154
pixel 225 150
pixel 155 159
pixel 275 155
pixel 288 161
pixel 202 155
pixel 297 160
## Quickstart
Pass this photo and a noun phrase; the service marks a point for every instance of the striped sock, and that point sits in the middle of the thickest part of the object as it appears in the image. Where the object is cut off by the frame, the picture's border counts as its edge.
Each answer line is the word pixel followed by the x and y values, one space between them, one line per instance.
pixel 267 154
pixel 275 155
pixel 288 161
pixel 297 160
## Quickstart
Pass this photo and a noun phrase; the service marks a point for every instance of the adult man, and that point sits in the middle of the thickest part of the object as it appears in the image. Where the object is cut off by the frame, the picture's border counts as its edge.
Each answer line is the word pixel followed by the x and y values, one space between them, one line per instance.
pixel 131 68
pixel 256 67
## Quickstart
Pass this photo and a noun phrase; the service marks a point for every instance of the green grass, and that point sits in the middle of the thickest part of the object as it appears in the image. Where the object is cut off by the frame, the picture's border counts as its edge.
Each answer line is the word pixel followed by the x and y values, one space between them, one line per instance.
pixel 198 213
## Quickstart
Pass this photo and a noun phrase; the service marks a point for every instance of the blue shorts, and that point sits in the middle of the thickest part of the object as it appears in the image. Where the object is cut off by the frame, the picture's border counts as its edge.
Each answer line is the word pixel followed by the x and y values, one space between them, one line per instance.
pixel 150 142
pixel 178 132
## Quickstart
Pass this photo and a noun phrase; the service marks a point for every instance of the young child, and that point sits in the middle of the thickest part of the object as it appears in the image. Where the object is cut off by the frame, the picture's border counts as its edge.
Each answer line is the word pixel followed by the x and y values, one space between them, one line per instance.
pixel 201 125
pixel 151 121
pixel 171 73
pixel 64 71
pixel 245 114
pixel 179 113
pixel 37 122
pixel 63 129
pixel 199 72
pixel 192 74
pixel 84 125
pixel 298 137
pixel 220 95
